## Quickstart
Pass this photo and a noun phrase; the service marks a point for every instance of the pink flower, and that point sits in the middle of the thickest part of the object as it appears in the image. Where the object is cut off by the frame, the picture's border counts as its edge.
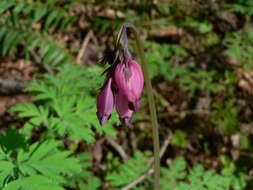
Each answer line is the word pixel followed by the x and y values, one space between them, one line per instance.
pixel 129 80
pixel 105 102
pixel 124 83
pixel 122 108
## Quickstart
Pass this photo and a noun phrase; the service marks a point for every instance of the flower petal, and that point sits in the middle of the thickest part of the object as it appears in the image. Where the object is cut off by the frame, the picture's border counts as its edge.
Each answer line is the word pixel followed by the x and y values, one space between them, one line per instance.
pixel 105 102
pixel 130 81
pixel 121 104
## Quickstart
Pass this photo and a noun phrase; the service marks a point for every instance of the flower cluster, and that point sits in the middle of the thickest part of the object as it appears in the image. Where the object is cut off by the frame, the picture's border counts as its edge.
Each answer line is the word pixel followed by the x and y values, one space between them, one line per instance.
pixel 122 89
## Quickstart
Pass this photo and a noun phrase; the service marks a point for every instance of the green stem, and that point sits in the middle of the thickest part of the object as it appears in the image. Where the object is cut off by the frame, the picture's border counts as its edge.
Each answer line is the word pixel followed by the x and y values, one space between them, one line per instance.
pixel 151 101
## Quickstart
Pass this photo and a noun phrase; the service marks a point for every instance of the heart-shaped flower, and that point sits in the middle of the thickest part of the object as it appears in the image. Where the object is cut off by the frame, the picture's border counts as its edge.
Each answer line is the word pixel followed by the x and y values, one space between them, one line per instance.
pixel 129 80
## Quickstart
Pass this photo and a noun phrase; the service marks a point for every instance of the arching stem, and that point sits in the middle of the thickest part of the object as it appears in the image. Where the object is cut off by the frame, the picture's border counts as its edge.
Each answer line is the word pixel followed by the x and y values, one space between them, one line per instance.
pixel 151 101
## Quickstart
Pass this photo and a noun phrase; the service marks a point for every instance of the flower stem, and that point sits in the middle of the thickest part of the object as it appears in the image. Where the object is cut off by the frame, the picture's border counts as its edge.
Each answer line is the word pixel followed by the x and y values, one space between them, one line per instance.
pixel 151 101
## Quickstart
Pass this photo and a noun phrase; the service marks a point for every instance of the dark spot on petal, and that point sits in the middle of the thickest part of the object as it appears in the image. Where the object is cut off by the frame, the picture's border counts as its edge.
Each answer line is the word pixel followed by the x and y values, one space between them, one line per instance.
pixel 131 106
pixel 115 90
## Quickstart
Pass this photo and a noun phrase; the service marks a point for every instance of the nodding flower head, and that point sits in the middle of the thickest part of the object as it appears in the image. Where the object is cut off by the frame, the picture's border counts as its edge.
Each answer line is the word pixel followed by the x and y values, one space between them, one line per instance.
pixel 105 102
pixel 129 80
pixel 124 83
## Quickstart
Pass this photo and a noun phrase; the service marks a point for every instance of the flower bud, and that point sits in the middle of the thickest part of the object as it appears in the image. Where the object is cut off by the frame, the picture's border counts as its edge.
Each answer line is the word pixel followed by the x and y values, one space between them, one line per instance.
pixel 121 104
pixel 105 102
pixel 130 81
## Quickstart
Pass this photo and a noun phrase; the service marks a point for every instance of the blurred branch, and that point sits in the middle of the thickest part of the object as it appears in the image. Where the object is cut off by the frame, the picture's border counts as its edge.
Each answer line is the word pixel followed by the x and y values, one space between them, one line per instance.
pixel 84 47
pixel 117 147
pixel 183 113
pixel 37 60
pixel 151 161
pixel 138 180
pixel 11 86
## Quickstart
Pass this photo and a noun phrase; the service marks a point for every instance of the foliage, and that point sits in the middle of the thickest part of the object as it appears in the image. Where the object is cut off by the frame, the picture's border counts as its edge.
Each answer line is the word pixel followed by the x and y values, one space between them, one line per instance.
pixel 192 78
pixel 240 48
pixel 61 106
pixel 203 27
pixel 197 54
pixel 85 178
pixel 243 7
pixel 14 31
pixel 177 177
pixel 33 182
pixel 157 55
pixel 129 170
pixel 30 166
pixel 179 139
pixel 225 115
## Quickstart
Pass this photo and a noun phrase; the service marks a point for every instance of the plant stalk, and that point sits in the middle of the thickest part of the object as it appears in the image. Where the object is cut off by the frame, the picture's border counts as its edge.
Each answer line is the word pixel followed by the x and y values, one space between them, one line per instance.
pixel 151 101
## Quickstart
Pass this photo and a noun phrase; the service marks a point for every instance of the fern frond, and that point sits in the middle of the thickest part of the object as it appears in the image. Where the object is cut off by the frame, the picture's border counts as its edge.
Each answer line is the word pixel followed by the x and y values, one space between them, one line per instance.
pixel 42 161
pixel 34 11
pixel 62 106
pixel 85 178
pixel 35 182
pixel 48 160
pixel 177 177
pixel 38 115
pixel 50 52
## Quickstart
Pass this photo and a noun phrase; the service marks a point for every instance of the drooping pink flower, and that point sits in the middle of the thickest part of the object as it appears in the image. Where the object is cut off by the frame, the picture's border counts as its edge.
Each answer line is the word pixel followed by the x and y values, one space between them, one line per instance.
pixel 124 83
pixel 121 104
pixel 129 80
pixel 105 102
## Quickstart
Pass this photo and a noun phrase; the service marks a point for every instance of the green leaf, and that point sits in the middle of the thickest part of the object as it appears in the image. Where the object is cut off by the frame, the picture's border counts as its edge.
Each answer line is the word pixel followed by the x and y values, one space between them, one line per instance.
pixel 6 170
pixel 12 140
pixel 177 177
pixel 47 159
pixel 93 184
pixel 180 139
pixel 37 115
pixel 5 5
pixel 36 182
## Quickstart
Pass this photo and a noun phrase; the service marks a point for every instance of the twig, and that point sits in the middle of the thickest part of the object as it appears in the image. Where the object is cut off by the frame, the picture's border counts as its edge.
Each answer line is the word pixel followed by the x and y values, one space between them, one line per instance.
pixel 151 170
pixel 11 86
pixel 84 46
pixel 164 147
pixel 117 147
pixel 138 180
pixel 166 143
pixel 37 60
pixel 183 113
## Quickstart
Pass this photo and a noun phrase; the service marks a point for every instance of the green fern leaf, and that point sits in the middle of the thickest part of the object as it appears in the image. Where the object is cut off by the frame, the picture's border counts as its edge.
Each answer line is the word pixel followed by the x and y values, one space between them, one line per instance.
pixel 6 169
pixel 176 177
pixel 46 159
pixel 37 115
pixel 36 182
pixel 50 51
pixel 93 184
